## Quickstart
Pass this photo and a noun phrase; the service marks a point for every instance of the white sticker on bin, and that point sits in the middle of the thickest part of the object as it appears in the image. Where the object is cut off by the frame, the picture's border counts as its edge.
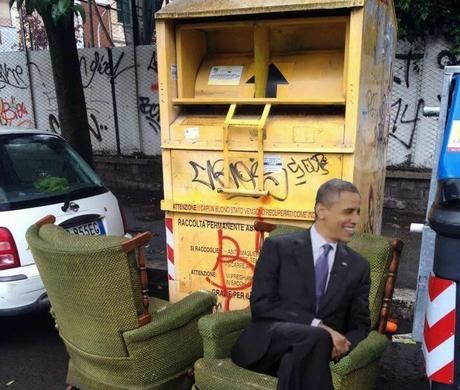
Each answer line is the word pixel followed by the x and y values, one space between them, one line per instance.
pixel 192 133
pixel 454 139
pixel 273 163
pixel 225 75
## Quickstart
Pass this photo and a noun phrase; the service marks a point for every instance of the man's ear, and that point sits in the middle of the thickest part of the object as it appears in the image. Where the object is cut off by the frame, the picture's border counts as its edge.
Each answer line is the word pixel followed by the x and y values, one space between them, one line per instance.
pixel 320 209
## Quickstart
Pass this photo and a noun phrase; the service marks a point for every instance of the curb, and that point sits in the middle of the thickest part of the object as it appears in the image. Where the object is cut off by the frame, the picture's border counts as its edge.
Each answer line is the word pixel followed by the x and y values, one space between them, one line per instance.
pixel 403 303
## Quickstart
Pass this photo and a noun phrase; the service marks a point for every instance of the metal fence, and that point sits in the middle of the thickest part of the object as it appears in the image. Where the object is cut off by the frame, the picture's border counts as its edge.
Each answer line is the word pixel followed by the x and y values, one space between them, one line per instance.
pixel 121 91
pixel 120 86
pixel 120 83
pixel 418 72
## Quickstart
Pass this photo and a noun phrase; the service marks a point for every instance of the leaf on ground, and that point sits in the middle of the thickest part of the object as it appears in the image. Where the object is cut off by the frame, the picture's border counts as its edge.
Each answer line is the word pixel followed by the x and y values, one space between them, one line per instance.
pixel 10 382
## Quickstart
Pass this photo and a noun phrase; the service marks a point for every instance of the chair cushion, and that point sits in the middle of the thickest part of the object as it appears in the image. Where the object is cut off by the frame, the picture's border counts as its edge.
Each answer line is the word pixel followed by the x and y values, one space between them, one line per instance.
pixel 223 374
pixel 367 351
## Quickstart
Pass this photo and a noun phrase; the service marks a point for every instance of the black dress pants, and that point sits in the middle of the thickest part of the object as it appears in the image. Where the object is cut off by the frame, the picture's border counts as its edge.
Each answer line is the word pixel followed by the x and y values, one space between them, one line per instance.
pixel 299 356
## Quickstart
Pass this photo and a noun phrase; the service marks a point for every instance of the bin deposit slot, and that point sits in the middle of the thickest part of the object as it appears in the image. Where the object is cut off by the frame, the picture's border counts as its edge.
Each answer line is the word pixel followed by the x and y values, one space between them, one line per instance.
pixel 288 60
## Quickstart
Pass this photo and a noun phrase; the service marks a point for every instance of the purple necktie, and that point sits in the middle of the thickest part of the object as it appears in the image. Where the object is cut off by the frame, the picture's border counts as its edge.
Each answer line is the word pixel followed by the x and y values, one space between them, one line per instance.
pixel 321 272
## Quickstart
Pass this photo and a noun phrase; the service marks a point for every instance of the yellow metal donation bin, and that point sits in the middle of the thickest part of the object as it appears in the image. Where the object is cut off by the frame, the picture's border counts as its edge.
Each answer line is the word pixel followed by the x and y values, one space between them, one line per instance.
pixel 261 102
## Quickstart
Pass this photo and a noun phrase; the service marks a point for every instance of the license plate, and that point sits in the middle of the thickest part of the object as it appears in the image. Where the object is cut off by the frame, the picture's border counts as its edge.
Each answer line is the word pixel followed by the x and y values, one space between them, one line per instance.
pixel 88 229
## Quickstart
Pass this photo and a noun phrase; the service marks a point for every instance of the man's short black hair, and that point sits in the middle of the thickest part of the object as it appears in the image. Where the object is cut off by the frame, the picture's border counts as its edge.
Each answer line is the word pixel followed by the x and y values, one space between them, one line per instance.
pixel 330 191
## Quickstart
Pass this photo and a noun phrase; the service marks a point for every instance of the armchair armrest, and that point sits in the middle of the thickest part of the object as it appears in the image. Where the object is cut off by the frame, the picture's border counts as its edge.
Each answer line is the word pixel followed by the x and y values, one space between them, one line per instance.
pixel 173 316
pixel 221 330
pixel 368 350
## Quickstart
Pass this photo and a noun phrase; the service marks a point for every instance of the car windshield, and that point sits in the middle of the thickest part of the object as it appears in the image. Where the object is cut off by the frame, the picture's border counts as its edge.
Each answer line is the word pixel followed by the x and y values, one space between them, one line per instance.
pixel 40 169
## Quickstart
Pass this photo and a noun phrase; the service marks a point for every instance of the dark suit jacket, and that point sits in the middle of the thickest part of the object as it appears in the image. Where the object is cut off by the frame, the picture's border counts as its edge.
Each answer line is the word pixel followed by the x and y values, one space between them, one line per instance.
pixel 284 290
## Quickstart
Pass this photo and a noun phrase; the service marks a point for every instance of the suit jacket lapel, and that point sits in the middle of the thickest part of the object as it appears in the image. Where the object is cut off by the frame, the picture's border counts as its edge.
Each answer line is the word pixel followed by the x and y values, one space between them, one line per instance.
pixel 303 254
pixel 337 277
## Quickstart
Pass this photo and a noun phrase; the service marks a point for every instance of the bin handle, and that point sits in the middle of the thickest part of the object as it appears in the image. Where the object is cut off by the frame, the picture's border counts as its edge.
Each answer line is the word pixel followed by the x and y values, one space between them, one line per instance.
pixel 242 192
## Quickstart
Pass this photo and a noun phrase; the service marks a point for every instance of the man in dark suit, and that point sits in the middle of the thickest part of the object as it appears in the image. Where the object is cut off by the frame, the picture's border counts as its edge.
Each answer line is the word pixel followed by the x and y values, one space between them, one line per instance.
pixel 310 294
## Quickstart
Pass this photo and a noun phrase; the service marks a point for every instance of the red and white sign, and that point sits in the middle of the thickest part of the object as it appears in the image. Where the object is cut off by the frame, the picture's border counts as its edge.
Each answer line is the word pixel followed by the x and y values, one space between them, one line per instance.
pixel 439 332
pixel 170 249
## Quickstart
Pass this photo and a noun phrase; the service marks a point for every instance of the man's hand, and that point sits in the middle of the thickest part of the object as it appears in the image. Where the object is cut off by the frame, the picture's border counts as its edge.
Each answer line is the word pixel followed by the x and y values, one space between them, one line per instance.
pixel 340 344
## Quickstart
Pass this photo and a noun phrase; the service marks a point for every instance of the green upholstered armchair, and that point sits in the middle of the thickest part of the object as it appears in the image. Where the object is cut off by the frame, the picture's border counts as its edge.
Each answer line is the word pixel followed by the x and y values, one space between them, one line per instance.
pixel 357 370
pixel 116 336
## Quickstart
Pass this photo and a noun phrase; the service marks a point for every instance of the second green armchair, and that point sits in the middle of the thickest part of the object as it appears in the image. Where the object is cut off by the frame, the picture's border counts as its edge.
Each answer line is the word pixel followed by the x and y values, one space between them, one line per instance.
pixel 357 370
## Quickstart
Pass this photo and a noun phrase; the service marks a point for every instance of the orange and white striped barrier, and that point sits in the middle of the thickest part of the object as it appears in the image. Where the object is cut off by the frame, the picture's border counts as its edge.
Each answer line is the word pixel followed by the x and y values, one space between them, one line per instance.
pixel 439 331
pixel 170 249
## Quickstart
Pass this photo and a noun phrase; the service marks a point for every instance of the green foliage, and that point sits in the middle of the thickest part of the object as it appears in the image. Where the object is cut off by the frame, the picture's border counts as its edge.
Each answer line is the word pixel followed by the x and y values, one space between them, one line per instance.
pixel 419 18
pixel 56 9
pixel 51 184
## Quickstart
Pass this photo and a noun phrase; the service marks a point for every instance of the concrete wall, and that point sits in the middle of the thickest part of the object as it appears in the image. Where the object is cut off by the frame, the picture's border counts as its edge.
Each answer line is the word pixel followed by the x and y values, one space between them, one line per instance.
pixel 407 191
pixel 129 174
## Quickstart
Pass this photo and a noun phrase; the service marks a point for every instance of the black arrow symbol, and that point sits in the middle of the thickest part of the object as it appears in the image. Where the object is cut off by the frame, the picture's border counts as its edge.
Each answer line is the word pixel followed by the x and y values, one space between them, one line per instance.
pixel 275 77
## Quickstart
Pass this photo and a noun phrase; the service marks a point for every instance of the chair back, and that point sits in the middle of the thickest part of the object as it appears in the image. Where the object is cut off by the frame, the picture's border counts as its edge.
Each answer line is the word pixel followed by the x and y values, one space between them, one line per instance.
pixel 382 254
pixel 93 286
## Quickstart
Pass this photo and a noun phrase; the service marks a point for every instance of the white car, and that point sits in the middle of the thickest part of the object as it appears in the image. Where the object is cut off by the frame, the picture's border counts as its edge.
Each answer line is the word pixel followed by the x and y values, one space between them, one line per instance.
pixel 41 174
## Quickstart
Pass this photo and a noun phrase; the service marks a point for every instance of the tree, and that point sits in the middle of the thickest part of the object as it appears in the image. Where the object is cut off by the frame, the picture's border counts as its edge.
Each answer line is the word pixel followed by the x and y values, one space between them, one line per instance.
pixel 419 18
pixel 58 18
pixel 34 33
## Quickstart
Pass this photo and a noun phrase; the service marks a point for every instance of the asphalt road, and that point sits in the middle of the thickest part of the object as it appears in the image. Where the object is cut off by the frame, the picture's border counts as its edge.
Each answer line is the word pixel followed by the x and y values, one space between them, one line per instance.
pixel 31 353
pixel 32 357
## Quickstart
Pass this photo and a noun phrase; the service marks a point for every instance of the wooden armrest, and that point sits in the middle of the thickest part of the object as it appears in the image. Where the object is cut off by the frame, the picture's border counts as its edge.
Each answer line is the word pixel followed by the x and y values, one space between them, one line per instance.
pixel 396 248
pixel 138 243
pixel 265 227
pixel 48 219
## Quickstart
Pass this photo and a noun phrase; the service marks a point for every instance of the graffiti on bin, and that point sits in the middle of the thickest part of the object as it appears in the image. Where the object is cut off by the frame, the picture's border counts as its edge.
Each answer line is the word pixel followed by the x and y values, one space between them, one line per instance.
pixel 228 277
pixel 235 246
pixel 222 287
pixel 244 174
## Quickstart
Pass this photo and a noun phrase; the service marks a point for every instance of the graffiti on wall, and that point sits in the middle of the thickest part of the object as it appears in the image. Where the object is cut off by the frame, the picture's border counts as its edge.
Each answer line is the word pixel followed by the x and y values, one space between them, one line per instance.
pixel 102 65
pixel 149 108
pixel 109 79
pixel 405 120
pixel 12 76
pixel 14 113
pixel 417 80
pixel 16 108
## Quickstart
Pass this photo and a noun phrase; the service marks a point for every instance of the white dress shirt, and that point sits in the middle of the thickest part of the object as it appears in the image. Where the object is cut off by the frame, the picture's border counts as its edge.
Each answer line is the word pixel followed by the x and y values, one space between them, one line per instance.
pixel 317 241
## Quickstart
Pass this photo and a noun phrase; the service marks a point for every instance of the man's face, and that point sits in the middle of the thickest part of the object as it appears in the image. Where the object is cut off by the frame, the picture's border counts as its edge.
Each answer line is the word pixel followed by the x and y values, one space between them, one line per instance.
pixel 337 221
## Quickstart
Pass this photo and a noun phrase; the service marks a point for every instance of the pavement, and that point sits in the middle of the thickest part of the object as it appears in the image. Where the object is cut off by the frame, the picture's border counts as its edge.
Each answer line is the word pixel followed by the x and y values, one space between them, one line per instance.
pixel 401 367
